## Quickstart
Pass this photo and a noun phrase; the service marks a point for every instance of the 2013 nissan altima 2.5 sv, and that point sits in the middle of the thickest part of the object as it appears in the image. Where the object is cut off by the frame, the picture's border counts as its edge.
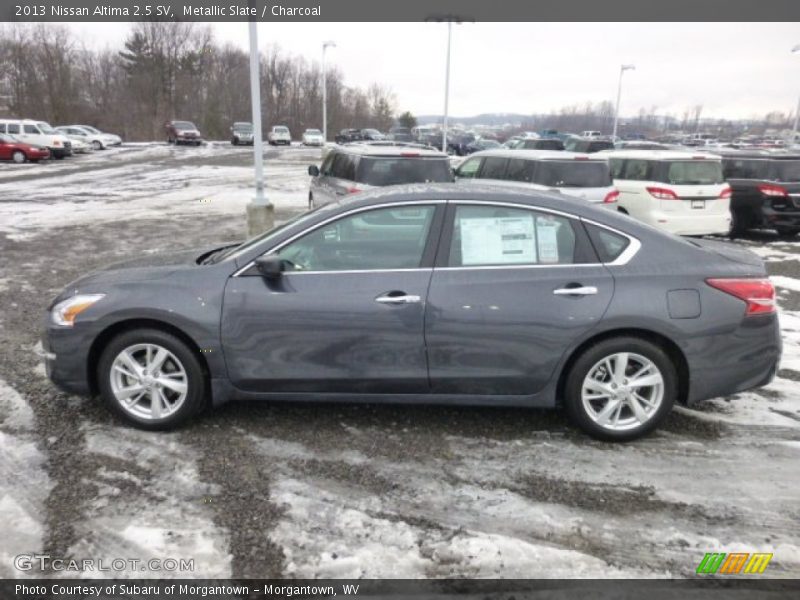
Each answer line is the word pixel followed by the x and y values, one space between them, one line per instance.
pixel 427 293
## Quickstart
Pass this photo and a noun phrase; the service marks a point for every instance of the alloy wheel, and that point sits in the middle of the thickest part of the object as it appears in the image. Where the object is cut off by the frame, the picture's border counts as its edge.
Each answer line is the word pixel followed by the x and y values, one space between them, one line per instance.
pixel 148 381
pixel 622 391
pixel 18 157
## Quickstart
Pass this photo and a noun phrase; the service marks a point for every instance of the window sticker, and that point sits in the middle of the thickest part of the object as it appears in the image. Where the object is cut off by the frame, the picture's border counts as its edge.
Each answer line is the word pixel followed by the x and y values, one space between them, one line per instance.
pixel 498 241
pixel 547 239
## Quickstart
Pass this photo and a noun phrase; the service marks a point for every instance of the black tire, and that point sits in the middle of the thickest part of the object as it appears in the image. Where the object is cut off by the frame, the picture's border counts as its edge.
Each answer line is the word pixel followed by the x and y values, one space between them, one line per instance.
pixel 197 384
pixel 595 353
pixel 787 232
pixel 234 142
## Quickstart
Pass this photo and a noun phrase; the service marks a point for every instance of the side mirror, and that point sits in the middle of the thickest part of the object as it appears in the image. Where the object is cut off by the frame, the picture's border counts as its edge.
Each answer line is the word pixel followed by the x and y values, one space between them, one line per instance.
pixel 270 266
pixel 313 170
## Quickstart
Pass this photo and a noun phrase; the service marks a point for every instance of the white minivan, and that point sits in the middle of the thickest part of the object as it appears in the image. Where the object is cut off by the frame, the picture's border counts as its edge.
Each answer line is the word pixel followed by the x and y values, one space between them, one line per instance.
pixel 584 176
pixel 682 192
pixel 37 133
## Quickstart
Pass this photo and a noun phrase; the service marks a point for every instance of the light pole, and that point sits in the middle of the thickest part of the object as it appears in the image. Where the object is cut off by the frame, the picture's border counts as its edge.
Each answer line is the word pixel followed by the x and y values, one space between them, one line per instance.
pixel 260 211
pixel 795 50
pixel 449 19
pixel 622 69
pixel 325 46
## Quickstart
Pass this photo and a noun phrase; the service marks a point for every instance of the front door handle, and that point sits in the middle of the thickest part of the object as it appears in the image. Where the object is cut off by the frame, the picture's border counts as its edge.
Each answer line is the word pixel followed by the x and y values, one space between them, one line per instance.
pixel 398 298
pixel 588 290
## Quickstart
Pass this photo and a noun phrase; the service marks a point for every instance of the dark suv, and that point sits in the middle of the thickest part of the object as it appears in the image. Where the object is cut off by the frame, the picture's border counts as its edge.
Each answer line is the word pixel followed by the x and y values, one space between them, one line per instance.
pixel 183 132
pixel 359 167
pixel 587 145
pixel 765 190
pixel 346 136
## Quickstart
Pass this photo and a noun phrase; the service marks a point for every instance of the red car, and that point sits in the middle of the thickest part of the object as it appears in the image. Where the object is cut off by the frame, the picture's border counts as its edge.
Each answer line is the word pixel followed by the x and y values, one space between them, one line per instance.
pixel 183 132
pixel 19 152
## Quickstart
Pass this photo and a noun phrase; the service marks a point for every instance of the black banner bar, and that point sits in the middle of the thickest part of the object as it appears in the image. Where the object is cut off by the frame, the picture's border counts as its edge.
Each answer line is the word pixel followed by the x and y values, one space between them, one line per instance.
pixel 400 10
pixel 711 588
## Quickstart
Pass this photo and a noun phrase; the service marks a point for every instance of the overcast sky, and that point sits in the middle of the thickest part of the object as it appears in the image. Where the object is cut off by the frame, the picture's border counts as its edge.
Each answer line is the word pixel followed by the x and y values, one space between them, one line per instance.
pixel 736 70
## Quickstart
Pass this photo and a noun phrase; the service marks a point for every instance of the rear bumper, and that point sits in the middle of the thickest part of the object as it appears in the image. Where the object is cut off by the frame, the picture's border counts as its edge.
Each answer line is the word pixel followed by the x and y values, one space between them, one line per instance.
pixel 692 223
pixel 745 359
pixel 789 219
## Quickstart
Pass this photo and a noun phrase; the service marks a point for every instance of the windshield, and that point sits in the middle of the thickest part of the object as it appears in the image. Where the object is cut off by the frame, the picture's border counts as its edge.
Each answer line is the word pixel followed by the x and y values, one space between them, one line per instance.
pixel 371 131
pixel 694 172
pixel 89 129
pixel 578 173
pixel 45 127
pixel 787 170
pixel 244 127
pixel 237 251
pixel 184 125
pixel 394 171
pixel 281 130
pixel 313 132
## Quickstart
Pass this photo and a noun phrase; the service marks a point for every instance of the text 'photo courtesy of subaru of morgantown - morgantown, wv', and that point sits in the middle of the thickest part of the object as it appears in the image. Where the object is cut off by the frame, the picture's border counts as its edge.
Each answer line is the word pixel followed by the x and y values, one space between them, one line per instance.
pixel 429 299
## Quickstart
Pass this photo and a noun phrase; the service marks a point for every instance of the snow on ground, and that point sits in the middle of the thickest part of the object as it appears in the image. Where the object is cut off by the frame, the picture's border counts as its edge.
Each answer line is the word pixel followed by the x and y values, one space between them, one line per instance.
pixel 167 516
pixel 24 484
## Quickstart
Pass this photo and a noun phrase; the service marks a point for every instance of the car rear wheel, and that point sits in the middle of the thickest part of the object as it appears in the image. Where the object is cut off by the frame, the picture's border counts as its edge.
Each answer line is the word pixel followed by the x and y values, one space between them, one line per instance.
pixel 151 379
pixel 19 157
pixel 620 389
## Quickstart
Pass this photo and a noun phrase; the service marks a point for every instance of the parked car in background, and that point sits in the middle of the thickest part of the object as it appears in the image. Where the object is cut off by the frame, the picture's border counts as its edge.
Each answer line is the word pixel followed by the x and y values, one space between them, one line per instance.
pixel 37 133
pixel 242 134
pixel 98 139
pixel 372 135
pixel 587 145
pixel 681 192
pixel 480 145
pixel 279 134
pixel 345 136
pixel 313 137
pixel 79 140
pixel 578 175
pixel 183 132
pixel 765 190
pixel 539 144
pixel 20 152
pixel 457 143
pixel 358 167
pixel 435 294
pixel 401 134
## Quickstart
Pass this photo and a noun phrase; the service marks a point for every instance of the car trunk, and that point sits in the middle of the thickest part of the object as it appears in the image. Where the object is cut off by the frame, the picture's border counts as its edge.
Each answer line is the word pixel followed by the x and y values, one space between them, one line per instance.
pixel 730 252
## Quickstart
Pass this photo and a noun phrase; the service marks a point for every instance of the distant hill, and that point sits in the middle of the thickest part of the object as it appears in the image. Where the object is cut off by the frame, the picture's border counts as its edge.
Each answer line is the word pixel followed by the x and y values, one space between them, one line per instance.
pixel 483 119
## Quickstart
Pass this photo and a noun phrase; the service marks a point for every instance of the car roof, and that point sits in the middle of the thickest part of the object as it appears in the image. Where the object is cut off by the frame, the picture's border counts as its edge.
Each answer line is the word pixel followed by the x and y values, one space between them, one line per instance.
pixel 538 154
pixel 387 150
pixel 758 153
pixel 688 154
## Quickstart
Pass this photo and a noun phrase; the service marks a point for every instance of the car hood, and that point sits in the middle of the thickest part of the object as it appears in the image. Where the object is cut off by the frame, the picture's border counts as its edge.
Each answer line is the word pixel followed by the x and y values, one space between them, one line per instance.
pixel 146 268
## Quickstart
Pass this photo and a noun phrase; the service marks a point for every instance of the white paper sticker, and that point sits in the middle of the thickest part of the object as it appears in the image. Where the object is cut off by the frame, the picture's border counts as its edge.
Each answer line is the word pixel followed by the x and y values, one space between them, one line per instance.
pixel 547 240
pixel 498 241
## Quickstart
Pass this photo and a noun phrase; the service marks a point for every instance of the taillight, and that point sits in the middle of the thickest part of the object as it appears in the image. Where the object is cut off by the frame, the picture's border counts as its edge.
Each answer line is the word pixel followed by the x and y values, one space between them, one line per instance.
pixel 409 154
pixel 611 197
pixel 353 190
pixel 725 193
pixel 758 294
pixel 772 190
pixel 662 193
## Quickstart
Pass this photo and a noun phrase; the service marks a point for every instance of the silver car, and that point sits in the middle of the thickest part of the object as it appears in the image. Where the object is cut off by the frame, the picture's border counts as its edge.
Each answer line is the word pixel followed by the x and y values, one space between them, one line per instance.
pixel 578 175
pixel 353 168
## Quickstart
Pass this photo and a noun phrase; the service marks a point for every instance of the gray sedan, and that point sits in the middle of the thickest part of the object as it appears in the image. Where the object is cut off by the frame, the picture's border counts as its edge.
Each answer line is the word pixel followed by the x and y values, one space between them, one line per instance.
pixel 428 293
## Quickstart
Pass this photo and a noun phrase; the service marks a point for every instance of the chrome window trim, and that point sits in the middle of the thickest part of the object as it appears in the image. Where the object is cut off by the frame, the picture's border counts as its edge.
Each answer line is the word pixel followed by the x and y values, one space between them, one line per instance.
pixel 335 218
pixel 633 247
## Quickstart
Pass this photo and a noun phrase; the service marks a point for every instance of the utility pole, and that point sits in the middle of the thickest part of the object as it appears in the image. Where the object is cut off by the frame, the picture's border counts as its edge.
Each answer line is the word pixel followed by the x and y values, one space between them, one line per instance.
pixel 325 46
pixel 622 69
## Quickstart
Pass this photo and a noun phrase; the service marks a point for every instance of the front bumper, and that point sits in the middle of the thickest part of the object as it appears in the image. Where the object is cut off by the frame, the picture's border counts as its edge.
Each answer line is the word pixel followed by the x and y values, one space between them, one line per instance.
pixel 60 152
pixel 66 357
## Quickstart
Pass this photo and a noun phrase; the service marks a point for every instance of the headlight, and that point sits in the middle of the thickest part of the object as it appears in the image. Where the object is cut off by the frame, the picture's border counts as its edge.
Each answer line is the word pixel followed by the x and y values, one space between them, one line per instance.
pixel 64 312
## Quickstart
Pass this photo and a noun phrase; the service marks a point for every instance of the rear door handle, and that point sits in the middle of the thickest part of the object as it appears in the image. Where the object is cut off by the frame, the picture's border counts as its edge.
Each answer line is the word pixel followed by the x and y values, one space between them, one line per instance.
pixel 588 290
pixel 395 298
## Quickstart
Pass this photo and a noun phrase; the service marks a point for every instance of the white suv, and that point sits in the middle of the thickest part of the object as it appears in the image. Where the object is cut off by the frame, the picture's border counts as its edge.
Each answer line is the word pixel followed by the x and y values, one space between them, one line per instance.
pixel 37 133
pixel 582 176
pixel 279 135
pixel 681 192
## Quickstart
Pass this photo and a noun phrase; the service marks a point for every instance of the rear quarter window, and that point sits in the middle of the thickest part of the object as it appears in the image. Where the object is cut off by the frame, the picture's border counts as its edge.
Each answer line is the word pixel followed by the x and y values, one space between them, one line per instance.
pixel 608 245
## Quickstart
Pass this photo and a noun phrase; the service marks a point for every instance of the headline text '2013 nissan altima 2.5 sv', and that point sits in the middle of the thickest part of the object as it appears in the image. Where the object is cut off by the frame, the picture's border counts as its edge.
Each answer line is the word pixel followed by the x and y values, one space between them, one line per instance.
pixel 427 293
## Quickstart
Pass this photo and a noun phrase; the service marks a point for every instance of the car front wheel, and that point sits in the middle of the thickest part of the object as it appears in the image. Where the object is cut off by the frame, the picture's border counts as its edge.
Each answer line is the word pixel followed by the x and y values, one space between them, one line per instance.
pixel 620 389
pixel 151 379
pixel 19 157
pixel 97 145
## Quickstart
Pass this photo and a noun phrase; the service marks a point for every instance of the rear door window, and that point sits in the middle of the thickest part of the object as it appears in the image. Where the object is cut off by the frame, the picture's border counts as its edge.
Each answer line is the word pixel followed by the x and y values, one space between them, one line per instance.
pixel 31 129
pixel 573 173
pixel 399 170
pixel 497 235
pixel 494 167
pixel 344 167
pixel 520 169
